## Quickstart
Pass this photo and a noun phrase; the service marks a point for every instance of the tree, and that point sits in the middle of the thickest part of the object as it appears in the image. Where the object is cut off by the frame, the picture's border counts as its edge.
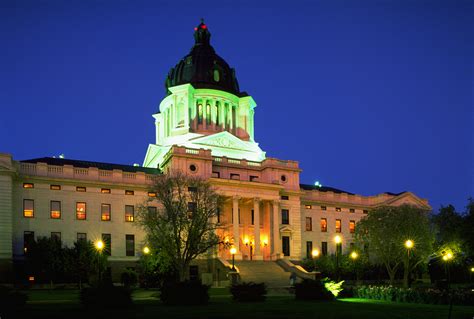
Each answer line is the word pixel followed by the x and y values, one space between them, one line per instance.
pixel 385 230
pixel 184 225
pixel 449 225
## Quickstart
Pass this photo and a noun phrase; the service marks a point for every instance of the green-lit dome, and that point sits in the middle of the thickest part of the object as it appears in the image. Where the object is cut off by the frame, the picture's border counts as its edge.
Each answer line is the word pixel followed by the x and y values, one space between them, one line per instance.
pixel 203 68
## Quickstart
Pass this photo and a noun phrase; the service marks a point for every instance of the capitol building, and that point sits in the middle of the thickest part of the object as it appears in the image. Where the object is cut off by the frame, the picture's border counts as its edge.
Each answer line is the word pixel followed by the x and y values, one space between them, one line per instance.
pixel 204 128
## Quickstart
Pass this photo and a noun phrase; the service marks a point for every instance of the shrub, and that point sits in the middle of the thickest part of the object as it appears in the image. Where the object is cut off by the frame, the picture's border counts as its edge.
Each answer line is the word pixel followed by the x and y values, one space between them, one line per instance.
pixel 312 290
pixel 129 278
pixel 248 292
pixel 11 299
pixel 184 293
pixel 106 296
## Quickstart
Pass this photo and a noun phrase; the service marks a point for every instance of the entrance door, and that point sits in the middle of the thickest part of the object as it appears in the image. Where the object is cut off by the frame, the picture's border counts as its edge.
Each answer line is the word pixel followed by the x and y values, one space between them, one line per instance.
pixel 285 241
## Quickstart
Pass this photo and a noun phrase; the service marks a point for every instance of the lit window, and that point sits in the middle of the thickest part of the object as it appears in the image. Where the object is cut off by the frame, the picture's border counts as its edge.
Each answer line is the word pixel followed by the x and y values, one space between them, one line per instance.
pixel 28 208
pixel 129 192
pixel 308 206
pixel 208 114
pixel 324 225
pixel 216 75
pixel 55 187
pixel 338 225
pixel 56 236
pixel 285 216
pixel 81 211
pixel 80 189
pixel 105 212
pixel 130 245
pixel 105 190
pixel 338 209
pixel 81 237
pixel 28 185
pixel 351 210
pixel 151 194
pixel 199 111
pixel 352 226
pixel 309 224
pixel 55 209
pixel 129 213
pixel 323 208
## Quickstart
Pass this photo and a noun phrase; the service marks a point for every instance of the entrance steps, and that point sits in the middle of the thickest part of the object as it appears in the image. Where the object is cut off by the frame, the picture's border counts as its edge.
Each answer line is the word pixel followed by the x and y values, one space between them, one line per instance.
pixel 269 272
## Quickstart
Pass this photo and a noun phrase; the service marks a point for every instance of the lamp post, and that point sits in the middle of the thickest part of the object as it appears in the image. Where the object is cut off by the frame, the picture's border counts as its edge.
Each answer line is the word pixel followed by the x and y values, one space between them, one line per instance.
pixel 471 272
pixel 354 255
pixel 409 244
pixel 338 241
pixel 447 258
pixel 99 246
pixel 315 254
pixel 233 251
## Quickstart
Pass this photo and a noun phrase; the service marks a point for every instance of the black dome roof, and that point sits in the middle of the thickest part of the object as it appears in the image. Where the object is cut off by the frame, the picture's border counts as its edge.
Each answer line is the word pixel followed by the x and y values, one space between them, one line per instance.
pixel 203 68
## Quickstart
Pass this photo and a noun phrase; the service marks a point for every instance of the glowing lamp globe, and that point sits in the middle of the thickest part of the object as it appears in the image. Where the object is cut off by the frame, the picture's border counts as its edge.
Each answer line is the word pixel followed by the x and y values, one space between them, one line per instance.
pixel 338 239
pixel 315 253
pixel 99 245
pixel 354 255
pixel 233 251
pixel 409 244
pixel 146 250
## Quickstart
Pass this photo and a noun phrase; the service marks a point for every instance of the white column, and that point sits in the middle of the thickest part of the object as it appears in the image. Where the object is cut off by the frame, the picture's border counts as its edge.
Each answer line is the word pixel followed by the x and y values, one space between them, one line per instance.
pixel 276 244
pixel 235 225
pixel 256 228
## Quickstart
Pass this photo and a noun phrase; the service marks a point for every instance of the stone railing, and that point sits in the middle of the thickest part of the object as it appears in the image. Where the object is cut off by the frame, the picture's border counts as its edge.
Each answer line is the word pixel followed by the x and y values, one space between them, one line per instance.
pixel 316 195
pixel 92 174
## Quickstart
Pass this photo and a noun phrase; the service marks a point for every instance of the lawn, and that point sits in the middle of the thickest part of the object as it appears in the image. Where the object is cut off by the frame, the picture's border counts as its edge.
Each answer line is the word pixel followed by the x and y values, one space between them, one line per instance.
pixel 64 304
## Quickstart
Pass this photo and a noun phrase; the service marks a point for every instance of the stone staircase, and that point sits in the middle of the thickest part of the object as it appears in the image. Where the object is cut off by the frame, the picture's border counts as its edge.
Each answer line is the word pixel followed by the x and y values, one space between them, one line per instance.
pixel 268 272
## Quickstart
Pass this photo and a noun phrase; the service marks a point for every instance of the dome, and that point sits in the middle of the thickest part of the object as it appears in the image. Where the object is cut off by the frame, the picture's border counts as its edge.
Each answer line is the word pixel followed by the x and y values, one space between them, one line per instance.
pixel 203 68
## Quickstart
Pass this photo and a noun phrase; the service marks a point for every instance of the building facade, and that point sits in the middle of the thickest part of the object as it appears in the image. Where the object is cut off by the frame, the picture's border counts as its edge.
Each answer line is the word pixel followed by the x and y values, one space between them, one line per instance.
pixel 205 128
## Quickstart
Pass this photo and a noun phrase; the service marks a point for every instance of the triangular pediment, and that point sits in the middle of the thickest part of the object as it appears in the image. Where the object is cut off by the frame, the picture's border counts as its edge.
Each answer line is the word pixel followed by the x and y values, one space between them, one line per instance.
pixel 286 229
pixel 223 140
pixel 407 198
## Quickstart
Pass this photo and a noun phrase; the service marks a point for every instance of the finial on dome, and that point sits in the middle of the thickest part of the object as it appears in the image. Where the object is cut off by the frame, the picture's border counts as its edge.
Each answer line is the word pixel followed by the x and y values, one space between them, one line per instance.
pixel 202 34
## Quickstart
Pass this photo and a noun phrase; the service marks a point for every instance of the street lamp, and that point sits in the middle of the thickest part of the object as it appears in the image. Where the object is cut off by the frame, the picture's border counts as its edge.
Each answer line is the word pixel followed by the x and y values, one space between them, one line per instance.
pixel 409 244
pixel 354 255
pixel 146 250
pixel 315 254
pixel 233 251
pixel 338 240
pixel 447 258
pixel 99 245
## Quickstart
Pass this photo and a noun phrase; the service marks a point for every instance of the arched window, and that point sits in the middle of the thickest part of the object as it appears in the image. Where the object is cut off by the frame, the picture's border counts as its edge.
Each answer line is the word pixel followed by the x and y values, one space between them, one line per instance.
pixel 216 111
pixel 199 109
pixel 208 113
pixel 216 75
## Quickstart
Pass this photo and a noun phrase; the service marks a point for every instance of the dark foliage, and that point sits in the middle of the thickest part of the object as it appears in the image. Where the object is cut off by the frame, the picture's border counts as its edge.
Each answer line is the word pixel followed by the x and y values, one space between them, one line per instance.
pixel 107 296
pixel 249 292
pixel 129 278
pixel 11 300
pixel 184 293
pixel 312 290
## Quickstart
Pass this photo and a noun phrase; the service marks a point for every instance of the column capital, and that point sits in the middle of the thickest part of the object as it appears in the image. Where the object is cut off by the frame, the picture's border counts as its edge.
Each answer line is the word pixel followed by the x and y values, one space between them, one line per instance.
pixel 276 202
pixel 257 199
pixel 236 197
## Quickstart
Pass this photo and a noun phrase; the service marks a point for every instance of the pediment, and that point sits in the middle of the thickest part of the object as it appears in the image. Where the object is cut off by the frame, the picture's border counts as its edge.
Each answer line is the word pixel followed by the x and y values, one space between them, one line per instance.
pixel 223 140
pixel 286 229
pixel 407 198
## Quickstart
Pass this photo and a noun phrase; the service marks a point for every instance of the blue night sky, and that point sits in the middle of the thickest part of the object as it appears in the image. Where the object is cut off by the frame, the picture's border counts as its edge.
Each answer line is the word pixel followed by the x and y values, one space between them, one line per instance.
pixel 369 96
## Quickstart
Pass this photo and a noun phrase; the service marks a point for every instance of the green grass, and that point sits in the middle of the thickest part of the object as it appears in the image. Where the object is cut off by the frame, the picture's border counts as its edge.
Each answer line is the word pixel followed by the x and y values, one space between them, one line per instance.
pixel 64 304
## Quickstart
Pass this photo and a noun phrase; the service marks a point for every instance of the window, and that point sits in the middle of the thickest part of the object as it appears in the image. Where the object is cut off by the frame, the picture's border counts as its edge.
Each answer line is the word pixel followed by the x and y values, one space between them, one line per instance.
pixel 55 209
pixel 56 236
pixel 105 190
pixel 151 194
pixel 324 225
pixel 107 239
pixel 323 208
pixel 338 225
pixel 252 217
pixel 309 224
pixel 284 197
pixel 81 237
pixel 351 246
pixel 129 213
pixel 105 212
pixel 216 75
pixel 352 210
pixel 28 240
pixel 339 249
pixel 338 209
pixel 129 192
pixel 80 189
pixel 192 207
pixel 216 174
pixel 199 110
pixel 235 176
pixel 55 187
pixel 28 208
pixel 208 114
pixel 253 178
pixel 308 206
pixel 365 211
pixel 152 210
pixel 283 178
pixel 129 245
pixel 218 214
pixel 285 216
pixel 324 248
pixel 81 211
pixel 309 249
pixel 28 185
pixel 192 168
pixel 192 189
pixel 352 226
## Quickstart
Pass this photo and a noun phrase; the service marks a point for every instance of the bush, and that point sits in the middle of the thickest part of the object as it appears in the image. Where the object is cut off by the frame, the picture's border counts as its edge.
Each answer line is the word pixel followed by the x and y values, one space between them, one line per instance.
pixel 184 293
pixel 248 292
pixel 425 295
pixel 11 300
pixel 129 278
pixel 312 290
pixel 106 296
